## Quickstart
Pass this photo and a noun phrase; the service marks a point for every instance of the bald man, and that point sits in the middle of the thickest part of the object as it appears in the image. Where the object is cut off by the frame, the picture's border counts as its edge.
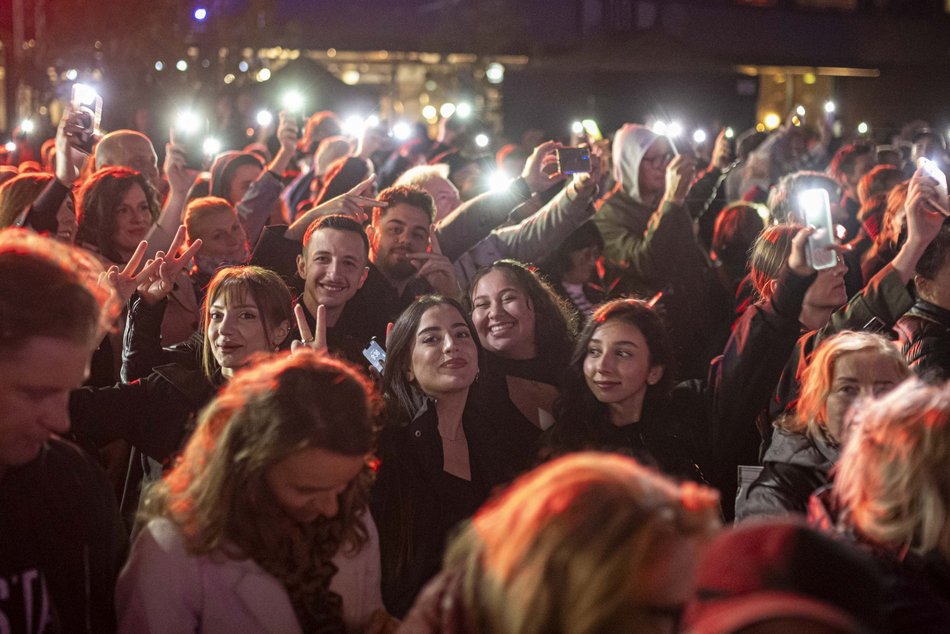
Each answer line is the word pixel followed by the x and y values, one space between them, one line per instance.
pixel 127 148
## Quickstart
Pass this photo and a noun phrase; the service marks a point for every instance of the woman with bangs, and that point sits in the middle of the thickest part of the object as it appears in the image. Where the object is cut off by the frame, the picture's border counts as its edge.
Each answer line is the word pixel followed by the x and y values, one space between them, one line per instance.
pixel 247 311
pixel 263 524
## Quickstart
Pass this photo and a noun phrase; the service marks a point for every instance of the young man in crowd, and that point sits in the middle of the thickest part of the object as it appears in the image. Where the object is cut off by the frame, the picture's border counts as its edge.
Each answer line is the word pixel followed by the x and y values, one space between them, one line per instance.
pixel 61 539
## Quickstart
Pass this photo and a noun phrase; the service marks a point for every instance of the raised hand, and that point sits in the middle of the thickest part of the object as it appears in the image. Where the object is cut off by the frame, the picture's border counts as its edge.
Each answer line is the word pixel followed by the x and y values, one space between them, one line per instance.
pixel 679 177
pixel 537 172
pixel 353 203
pixel 127 280
pixel 308 340
pixel 161 283
pixel 68 141
pixel 287 132
pixel 925 209
pixel 588 184
pixel 180 177
pixel 722 151
pixel 436 269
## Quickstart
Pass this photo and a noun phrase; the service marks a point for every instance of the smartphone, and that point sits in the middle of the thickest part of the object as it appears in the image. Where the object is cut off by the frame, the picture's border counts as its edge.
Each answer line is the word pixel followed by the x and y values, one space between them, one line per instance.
pixel 930 168
pixel 87 104
pixel 376 355
pixel 815 206
pixel 189 134
pixel 573 160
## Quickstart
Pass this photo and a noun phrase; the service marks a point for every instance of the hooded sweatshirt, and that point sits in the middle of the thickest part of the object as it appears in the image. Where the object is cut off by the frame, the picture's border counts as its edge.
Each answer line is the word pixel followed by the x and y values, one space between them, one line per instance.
pixel 630 145
pixel 255 208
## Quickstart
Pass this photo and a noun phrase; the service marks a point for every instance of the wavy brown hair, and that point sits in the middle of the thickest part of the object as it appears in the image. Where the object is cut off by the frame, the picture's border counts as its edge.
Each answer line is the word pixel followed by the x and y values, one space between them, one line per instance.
pixel 218 496
pixel 97 202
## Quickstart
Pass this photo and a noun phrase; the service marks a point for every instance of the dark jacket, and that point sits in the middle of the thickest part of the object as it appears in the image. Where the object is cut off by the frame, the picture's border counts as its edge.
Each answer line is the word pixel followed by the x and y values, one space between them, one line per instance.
pixel 924 333
pixel 62 544
pixel 916 587
pixel 795 466
pixel 416 504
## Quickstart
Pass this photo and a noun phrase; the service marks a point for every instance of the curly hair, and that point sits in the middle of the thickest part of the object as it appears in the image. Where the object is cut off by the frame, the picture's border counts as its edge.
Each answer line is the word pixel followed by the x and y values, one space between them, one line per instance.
pixel 411 195
pixel 97 201
pixel 555 321
pixel 218 494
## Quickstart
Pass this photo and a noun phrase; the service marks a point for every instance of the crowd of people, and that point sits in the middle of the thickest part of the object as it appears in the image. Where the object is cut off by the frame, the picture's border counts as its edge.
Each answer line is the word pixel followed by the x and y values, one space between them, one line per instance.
pixel 348 387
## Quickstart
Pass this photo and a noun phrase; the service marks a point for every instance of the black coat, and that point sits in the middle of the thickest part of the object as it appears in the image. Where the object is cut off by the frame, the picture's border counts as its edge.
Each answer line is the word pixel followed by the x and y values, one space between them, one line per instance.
pixel 924 333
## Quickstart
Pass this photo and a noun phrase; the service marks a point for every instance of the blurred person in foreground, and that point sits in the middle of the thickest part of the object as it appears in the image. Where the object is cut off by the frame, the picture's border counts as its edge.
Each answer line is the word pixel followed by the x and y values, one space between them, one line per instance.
pixel 588 543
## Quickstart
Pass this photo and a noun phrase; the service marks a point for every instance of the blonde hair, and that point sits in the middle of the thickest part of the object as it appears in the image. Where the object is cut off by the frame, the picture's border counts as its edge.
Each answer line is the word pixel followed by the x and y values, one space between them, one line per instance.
pixel 810 417
pixel 562 549
pixel 420 175
pixel 892 480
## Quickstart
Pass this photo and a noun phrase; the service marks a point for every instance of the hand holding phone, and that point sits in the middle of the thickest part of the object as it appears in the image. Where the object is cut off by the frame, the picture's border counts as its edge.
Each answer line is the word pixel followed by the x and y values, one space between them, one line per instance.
pixel 573 160
pixel 815 206
pixel 932 170
pixel 86 106
pixel 376 355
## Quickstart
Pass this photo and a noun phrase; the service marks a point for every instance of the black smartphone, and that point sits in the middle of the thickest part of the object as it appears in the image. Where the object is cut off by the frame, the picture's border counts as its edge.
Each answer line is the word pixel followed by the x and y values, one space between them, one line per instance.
pixel 376 355
pixel 573 160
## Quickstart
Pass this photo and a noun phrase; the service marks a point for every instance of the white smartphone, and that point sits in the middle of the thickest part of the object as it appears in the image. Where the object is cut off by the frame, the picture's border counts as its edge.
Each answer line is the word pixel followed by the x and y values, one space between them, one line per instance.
pixel 816 211
pixel 930 168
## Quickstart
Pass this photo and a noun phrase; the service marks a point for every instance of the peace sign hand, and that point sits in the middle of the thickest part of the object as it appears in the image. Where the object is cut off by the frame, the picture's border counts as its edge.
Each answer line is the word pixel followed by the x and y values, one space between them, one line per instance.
pixel 354 202
pixel 127 280
pixel 157 288
pixel 309 341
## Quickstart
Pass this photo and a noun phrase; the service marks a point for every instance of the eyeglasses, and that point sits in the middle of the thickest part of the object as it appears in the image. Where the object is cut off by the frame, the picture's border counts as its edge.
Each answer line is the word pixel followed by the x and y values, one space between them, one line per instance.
pixel 662 159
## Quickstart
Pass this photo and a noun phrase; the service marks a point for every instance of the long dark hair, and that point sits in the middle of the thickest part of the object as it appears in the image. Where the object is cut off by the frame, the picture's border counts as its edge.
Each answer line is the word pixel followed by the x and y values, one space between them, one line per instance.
pixel 396 386
pixel 555 322
pixel 580 416
pixel 98 200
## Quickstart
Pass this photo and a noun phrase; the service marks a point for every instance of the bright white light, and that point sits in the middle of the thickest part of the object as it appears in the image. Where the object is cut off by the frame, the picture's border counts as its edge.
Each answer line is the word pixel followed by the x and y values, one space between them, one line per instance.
pixel 211 146
pixel 429 112
pixel 772 121
pixel 350 77
pixel 674 129
pixel 229 78
pixel 482 140
pixel 84 94
pixel 201 14
pixel 495 73
pixel 763 212
pixel 660 128
pixel 353 126
pixel 293 101
pixel 498 181
pixel 265 118
pixel 72 74
pixel 371 121
pixel 188 121
pixel 464 110
pixel 27 126
pixel 10 146
pixel 242 66
pixel 800 111
pixel 159 65
pixel 730 133
pixel 862 128
pixel 577 127
pixel 447 109
pixel 181 65
pixel 263 74
pixel 699 136
pixel 830 107
pixel 402 131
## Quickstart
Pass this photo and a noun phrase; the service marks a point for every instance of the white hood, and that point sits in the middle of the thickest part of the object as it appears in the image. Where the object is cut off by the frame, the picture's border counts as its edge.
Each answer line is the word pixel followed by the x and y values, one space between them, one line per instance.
pixel 630 145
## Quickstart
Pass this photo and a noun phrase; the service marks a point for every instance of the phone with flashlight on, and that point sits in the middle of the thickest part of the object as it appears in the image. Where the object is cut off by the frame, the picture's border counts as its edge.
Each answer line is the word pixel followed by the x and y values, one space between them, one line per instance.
pixel 931 169
pixel 87 106
pixel 188 135
pixel 815 206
